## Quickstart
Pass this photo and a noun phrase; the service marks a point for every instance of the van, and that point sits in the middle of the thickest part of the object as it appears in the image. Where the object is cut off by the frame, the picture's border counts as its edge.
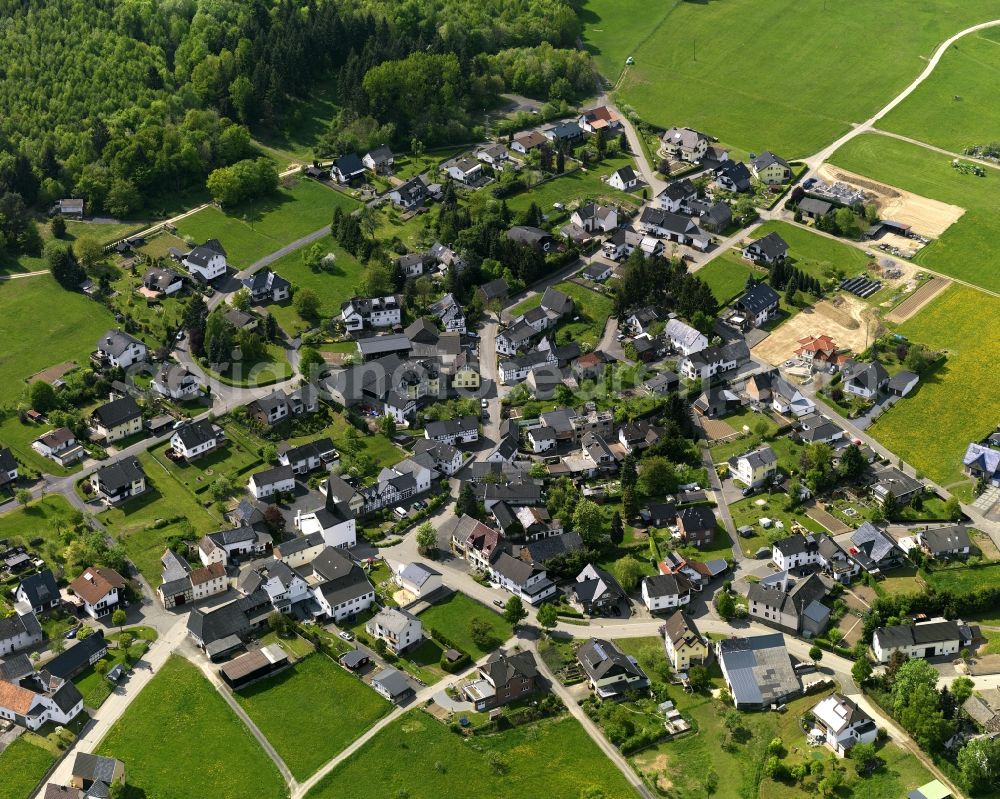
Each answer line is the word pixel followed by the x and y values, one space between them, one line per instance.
pixel 400 512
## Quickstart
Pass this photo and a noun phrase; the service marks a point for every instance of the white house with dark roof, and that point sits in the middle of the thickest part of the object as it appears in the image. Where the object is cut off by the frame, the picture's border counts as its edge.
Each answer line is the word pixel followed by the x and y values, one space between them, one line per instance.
pixel 460 430
pixel 307 457
pixel 31 699
pixel 60 445
pixel 733 176
pixel 207 261
pixel 767 250
pixel 380 160
pixel 269 482
pixel 361 312
pixel 418 579
pixel 120 350
pixel 684 338
pixel 410 194
pixel 610 671
pixel 665 591
pixel 593 217
pixel 925 639
pixel 347 168
pixel 530 583
pixel 18 631
pixel 38 591
pixel 843 723
pixel 175 382
pixel 623 179
pixel 710 361
pixel 119 480
pixel 864 379
pixel 267 286
pixel 756 306
pixel 194 439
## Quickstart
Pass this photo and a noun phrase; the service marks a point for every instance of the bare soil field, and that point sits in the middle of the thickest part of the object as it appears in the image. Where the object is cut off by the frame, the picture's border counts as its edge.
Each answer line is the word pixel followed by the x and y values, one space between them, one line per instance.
pixel 717 429
pixel 53 373
pixel 927 217
pixel 912 304
pixel 845 324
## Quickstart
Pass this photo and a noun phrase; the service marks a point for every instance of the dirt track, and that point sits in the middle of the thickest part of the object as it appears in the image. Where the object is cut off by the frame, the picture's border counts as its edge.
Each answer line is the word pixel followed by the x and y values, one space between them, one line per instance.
pixel 844 324
pixel 917 300
pixel 927 217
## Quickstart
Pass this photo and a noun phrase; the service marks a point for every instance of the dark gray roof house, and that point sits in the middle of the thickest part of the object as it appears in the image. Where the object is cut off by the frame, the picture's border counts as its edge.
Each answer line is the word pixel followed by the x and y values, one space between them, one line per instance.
pixel 757 670
pixel 40 590
pixel 117 412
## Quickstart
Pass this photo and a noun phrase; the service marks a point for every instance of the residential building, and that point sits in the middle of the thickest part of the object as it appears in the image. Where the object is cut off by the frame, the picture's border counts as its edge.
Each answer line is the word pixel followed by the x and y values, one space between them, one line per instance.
pixel 60 445
pixel 623 179
pixel 982 462
pixel 530 583
pixel 684 645
pixel 384 346
pixel 818 352
pixel 812 208
pixel 225 545
pixel 31 699
pixel 223 628
pixel 894 486
pixel 267 286
pixel 766 250
pixel 418 579
pixel 843 723
pixel 673 227
pixel 278 406
pixel 757 671
pixel 347 168
pixel 393 685
pixel 597 592
pixel 945 542
pixel 696 525
pixel 465 169
pixel 927 639
pixel 182 585
pixel 504 678
pixel 359 313
pixel 100 589
pixel 533 237
pixel 665 591
pixel 449 313
pixel 447 459
pixel 460 430
pixel 380 160
pixel 611 672
pixel 85 652
pixel 207 261
pixel 817 429
pixel 307 457
pixel 598 272
pixel 864 379
pixel 793 606
pixel 410 194
pixel 756 468
pixel 495 155
pixel 685 144
pixel 119 350
pixel 716 402
pixel 787 400
pixel 193 439
pixel 733 176
pixel 267 483
pixel 400 483
pixel 711 361
pixel 593 217
pixel 20 630
pixel 563 132
pixel 119 480
pixel 677 196
pixel 757 305
pixel 526 142
pixel 399 629
pixel 770 168
pixel 684 338
pixel 599 120
pixel 176 382
pixel 474 541
pixel 300 550
pixel 340 587
pixel 874 551
pixel 117 419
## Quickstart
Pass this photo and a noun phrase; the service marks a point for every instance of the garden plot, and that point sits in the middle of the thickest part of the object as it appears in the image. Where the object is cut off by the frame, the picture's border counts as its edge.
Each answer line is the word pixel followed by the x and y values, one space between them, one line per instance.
pixel 926 217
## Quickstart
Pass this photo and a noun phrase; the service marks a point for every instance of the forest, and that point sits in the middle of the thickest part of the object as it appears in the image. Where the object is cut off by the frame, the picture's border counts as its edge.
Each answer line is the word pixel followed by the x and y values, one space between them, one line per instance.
pixel 124 102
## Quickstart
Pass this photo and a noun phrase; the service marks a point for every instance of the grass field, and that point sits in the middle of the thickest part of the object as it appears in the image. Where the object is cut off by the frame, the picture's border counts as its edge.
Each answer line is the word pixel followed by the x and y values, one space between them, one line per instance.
pixel 767 75
pixel 814 254
pixel 727 276
pixel 969 70
pixel 40 519
pixel 179 739
pixel 22 766
pixel 593 310
pixel 137 520
pixel 250 233
pixel 332 286
pixel 452 618
pixel 34 340
pixel 953 406
pixel 18 436
pixel 418 757
pixel 966 249
pixel 339 713
pixel 965 581
pixel 104 232
pixel 231 461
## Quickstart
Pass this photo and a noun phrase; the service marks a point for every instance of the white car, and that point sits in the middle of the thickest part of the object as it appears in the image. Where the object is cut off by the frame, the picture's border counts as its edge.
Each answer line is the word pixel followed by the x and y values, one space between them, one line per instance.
pixel 345 635
pixel 485 403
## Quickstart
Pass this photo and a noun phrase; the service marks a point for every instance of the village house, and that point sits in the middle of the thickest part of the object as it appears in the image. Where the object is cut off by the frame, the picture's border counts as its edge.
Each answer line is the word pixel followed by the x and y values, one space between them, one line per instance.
pixel 696 525
pixel 418 579
pixel 300 550
pixel 842 723
pixel 393 685
pixel 279 405
pixel 529 582
pixel 677 196
pixel 100 589
pixel 610 672
pixel 119 350
pixel 757 305
pixel 207 261
pixel 711 361
pixel 533 237
pixel 593 217
pixel 380 160
pixel 864 379
pixel 982 462
pixel 596 592
pixel 495 155
pixel 733 176
pixel 599 120
pixel 400 483
pixel 60 445
pixel 770 168
pixel 224 546
pixel 20 630
pixel 624 179
pixel 119 480
pixel 449 313
pixel 38 591
pixel 474 541
pixel 267 483
pixel 447 459
pixel 460 430
pixel 665 591
pixel 895 487
pixel 598 272
pixel 182 584
pixel 684 645
pixel 504 678
pixel 267 286
pixel 340 586
pixel 399 629
pixel 756 468
pixel 117 419
pixel 32 699
pixel 816 429
pixel 175 382
pixel 673 227
pixel 410 194
pixel 307 457
pixel 945 542
pixel 359 313
pixel 685 144
pixel 874 551
pixel 769 249
pixel 563 132
pixel 793 606
pixel 812 208
pixel 923 639
pixel 524 143
pixel 464 169
pixel 194 439
pixel 347 168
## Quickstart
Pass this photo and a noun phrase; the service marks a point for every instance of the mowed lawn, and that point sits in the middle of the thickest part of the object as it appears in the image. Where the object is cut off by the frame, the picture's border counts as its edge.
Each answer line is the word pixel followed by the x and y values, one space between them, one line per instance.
pixel 250 232
pixel 814 254
pixel 180 739
pixel 43 518
pixel 142 523
pixel 338 705
pixel 418 757
pixel 584 184
pixel 956 404
pixel 35 338
pixel 957 105
pixel 22 766
pixel 726 275
pixel 768 74
pixel 966 250
pixel 453 619
pixel 333 285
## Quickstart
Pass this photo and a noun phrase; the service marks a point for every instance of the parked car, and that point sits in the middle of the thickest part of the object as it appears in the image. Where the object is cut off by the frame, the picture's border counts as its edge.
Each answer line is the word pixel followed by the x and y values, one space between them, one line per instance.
pixel 400 511
pixel 71 633
pixel 346 635
pixel 498 603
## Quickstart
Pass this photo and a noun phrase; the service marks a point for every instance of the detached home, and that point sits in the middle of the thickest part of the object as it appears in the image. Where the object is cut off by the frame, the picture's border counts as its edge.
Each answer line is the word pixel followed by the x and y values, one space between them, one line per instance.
pixel 767 250
pixel 770 168
pixel 19 631
pixel 461 430
pixel 120 480
pixel 756 306
pixel 267 286
pixel 100 589
pixel 927 639
pixel 685 143
pixel 347 168
pixel 399 629
pixel 755 468
pixel 623 179
pixel 863 379
pixel 684 644
pixel 175 382
pixel 120 350
pixel 117 419
pixel 503 679
pixel 194 439
pixel 380 160
pixel 361 312
pixel 843 723
pixel 410 194
pixel 610 671
pixel 269 482
pixel 39 592
pixel 696 525
pixel 60 445
pixel 665 591
pixel 207 261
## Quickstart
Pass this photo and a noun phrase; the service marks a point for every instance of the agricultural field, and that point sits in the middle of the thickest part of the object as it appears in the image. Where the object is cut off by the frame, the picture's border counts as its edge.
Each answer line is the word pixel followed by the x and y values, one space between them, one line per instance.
pixel 248 233
pixel 816 255
pixel 333 285
pixel 22 766
pixel 147 523
pixel 966 250
pixel 932 427
pixel 956 106
pixel 592 308
pixel 537 761
pixel 798 97
pixel 34 341
pixel 180 739
pixel 452 618
pixel 339 713
pixel 726 275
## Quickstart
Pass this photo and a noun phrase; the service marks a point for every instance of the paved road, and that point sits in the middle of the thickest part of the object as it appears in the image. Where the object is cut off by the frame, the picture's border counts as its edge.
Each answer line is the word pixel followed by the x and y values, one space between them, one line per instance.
pixel 267 260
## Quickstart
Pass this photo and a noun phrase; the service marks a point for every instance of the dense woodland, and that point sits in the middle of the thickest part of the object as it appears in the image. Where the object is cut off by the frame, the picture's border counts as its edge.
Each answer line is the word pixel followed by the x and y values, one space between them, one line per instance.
pixel 121 102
